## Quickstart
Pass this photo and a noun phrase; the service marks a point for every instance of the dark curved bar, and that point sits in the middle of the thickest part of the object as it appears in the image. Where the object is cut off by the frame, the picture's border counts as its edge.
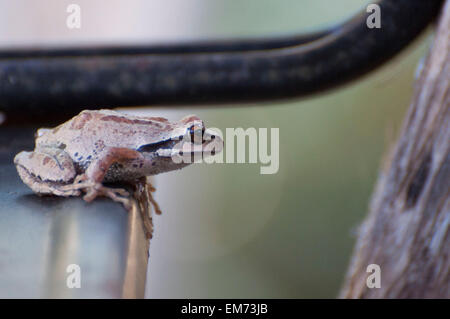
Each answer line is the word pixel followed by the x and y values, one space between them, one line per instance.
pixel 238 45
pixel 37 87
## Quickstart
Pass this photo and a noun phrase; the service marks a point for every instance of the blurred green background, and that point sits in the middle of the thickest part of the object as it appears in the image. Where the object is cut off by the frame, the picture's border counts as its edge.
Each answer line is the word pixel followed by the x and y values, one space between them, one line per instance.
pixel 227 231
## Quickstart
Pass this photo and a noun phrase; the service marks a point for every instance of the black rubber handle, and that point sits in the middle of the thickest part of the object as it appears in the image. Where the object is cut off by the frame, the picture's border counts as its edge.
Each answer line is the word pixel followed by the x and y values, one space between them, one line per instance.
pixel 55 83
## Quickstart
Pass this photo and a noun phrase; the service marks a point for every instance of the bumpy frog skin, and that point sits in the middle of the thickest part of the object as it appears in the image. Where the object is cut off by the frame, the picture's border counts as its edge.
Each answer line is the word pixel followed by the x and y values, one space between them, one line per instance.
pixel 108 146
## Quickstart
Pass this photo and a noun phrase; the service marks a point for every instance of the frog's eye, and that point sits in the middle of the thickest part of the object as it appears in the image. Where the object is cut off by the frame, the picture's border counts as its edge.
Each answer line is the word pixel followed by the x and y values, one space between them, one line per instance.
pixel 196 132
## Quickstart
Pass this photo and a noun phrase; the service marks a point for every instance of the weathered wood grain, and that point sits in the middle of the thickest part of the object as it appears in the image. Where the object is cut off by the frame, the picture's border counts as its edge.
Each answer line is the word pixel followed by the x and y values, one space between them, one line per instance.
pixel 406 230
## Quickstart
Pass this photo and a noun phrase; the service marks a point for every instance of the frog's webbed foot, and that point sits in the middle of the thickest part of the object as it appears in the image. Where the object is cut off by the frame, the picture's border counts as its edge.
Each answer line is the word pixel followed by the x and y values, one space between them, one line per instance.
pixel 93 189
pixel 116 194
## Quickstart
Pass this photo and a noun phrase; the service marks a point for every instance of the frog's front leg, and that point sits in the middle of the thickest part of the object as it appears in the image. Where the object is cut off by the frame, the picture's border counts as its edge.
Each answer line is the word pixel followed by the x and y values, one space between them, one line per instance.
pixel 47 171
pixel 97 170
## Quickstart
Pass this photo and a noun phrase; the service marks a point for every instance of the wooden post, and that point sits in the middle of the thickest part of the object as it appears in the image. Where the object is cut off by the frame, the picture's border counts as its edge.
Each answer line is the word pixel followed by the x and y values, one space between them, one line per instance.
pixel 406 230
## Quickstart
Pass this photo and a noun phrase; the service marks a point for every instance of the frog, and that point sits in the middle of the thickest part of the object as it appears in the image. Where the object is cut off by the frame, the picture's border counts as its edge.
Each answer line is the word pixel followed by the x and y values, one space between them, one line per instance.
pixel 106 146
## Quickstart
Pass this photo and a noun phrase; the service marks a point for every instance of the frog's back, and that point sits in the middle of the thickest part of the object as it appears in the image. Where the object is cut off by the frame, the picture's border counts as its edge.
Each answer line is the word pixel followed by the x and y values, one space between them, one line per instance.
pixel 107 127
pixel 121 130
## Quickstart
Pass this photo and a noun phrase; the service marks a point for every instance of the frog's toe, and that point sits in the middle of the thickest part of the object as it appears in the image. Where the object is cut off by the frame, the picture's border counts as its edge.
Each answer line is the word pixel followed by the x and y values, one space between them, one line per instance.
pixel 67 193
pixel 116 194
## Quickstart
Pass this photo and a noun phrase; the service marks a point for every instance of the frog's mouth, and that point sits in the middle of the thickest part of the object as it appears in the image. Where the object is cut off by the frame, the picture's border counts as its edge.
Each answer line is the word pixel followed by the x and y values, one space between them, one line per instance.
pixel 208 144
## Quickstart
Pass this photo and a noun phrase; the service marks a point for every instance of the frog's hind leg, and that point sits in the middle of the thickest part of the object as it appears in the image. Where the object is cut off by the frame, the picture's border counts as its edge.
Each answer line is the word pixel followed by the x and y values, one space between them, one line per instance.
pixel 47 172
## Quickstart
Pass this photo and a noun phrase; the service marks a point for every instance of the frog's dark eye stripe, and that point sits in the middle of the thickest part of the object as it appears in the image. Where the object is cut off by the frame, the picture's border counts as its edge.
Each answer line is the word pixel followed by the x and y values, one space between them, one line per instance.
pixel 153 147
